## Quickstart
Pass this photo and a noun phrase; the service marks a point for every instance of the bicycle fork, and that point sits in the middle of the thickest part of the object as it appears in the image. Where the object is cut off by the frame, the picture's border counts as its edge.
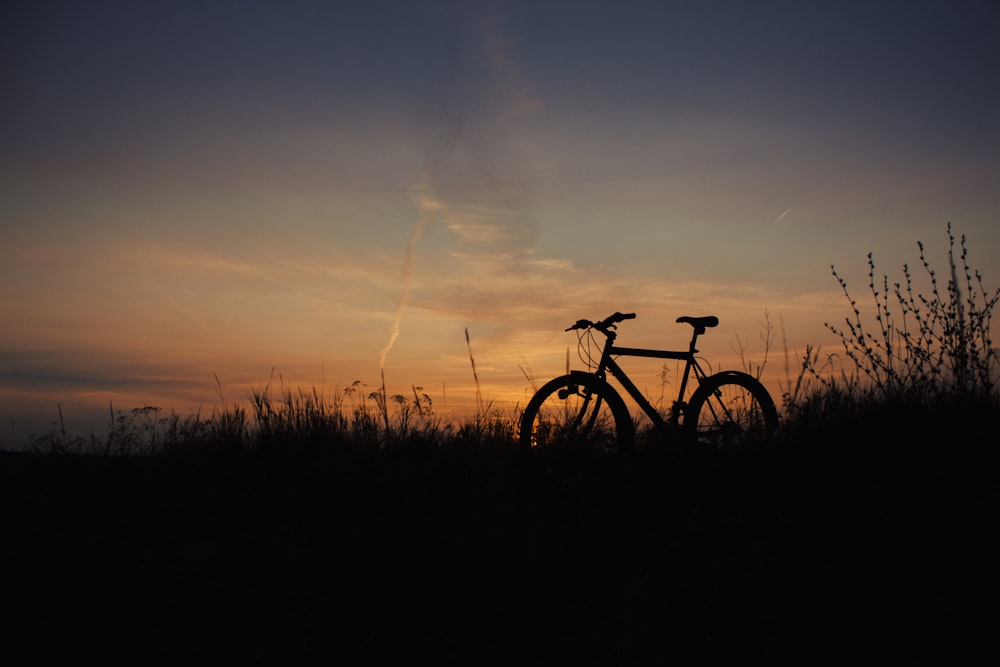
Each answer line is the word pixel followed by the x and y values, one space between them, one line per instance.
pixel 587 397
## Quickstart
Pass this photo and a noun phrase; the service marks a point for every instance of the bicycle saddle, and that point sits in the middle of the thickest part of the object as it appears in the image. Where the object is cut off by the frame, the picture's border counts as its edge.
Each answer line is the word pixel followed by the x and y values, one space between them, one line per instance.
pixel 700 323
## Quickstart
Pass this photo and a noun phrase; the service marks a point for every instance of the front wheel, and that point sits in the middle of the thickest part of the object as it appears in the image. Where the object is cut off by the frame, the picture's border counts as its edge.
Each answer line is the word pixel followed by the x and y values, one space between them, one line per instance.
pixel 730 409
pixel 576 410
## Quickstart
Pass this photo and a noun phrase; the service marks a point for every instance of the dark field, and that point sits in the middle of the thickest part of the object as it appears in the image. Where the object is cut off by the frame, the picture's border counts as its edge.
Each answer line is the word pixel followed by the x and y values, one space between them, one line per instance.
pixel 827 547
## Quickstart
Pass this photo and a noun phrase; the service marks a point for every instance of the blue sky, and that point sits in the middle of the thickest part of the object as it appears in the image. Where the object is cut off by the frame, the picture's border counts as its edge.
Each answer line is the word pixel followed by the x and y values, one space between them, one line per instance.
pixel 199 188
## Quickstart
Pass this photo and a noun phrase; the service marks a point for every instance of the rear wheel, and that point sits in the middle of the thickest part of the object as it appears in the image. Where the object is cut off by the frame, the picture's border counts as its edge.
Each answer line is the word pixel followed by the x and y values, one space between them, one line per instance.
pixel 576 410
pixel 730 409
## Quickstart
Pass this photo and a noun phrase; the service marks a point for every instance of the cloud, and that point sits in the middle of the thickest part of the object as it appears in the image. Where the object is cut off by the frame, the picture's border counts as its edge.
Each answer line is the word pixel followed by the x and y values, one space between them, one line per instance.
pixel 87 369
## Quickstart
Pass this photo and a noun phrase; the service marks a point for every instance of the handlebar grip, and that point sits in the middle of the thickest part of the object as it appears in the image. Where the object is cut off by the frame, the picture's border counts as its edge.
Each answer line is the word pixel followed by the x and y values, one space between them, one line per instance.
pixel 619 317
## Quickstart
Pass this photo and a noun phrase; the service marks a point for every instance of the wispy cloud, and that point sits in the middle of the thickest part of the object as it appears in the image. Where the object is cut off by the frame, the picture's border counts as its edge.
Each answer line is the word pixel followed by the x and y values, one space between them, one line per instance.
pixel 428 207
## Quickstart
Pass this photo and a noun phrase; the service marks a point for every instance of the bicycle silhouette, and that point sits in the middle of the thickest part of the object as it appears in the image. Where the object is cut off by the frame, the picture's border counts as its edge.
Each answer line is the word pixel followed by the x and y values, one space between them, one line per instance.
pixel 727 408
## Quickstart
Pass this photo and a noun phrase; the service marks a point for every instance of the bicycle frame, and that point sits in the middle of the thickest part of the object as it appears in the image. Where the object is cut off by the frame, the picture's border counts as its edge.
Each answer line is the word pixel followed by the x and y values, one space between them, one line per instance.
pixel 608 363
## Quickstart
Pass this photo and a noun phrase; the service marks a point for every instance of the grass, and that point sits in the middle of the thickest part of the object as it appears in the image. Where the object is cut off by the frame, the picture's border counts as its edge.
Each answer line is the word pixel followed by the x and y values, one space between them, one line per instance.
pixel 279 415
pixel 870 538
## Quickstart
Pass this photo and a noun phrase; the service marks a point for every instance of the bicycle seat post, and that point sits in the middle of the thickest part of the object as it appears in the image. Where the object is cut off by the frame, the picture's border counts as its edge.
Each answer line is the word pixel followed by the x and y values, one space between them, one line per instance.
pixel 694 339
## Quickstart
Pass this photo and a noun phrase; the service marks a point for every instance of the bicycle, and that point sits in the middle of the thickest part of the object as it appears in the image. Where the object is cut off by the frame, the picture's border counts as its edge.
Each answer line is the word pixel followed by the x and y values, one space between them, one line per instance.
pixel 726 409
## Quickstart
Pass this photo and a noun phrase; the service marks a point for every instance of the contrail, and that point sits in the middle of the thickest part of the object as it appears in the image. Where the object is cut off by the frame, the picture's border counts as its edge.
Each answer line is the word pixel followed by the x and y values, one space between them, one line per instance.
pixel 429 204
pixel 782 215
pixel 428 207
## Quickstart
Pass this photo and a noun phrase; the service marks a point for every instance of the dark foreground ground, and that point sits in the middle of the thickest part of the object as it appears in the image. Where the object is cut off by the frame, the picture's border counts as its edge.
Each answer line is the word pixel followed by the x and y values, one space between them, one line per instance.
pixel 816 550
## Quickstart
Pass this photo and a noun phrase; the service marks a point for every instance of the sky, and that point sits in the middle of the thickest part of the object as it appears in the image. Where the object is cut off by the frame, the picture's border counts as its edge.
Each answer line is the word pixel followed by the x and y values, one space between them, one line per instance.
pixel 197 198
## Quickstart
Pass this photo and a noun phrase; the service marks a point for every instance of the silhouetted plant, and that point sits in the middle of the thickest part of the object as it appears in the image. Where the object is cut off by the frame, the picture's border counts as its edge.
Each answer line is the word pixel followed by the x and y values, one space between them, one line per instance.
pixel 921 347
pixel 742 349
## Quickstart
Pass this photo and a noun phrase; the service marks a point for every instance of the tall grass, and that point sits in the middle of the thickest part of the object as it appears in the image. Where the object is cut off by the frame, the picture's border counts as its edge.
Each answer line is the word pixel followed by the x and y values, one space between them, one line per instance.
pixel 146 431
pixel 276 415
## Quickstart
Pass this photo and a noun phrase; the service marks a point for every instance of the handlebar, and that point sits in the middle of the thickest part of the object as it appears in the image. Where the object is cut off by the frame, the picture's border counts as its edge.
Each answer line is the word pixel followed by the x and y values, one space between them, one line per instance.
pixel 607 323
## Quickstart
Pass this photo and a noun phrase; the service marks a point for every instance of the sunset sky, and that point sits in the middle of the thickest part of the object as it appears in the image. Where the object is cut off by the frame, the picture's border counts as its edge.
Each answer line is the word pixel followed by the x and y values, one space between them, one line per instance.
pixel 201 189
